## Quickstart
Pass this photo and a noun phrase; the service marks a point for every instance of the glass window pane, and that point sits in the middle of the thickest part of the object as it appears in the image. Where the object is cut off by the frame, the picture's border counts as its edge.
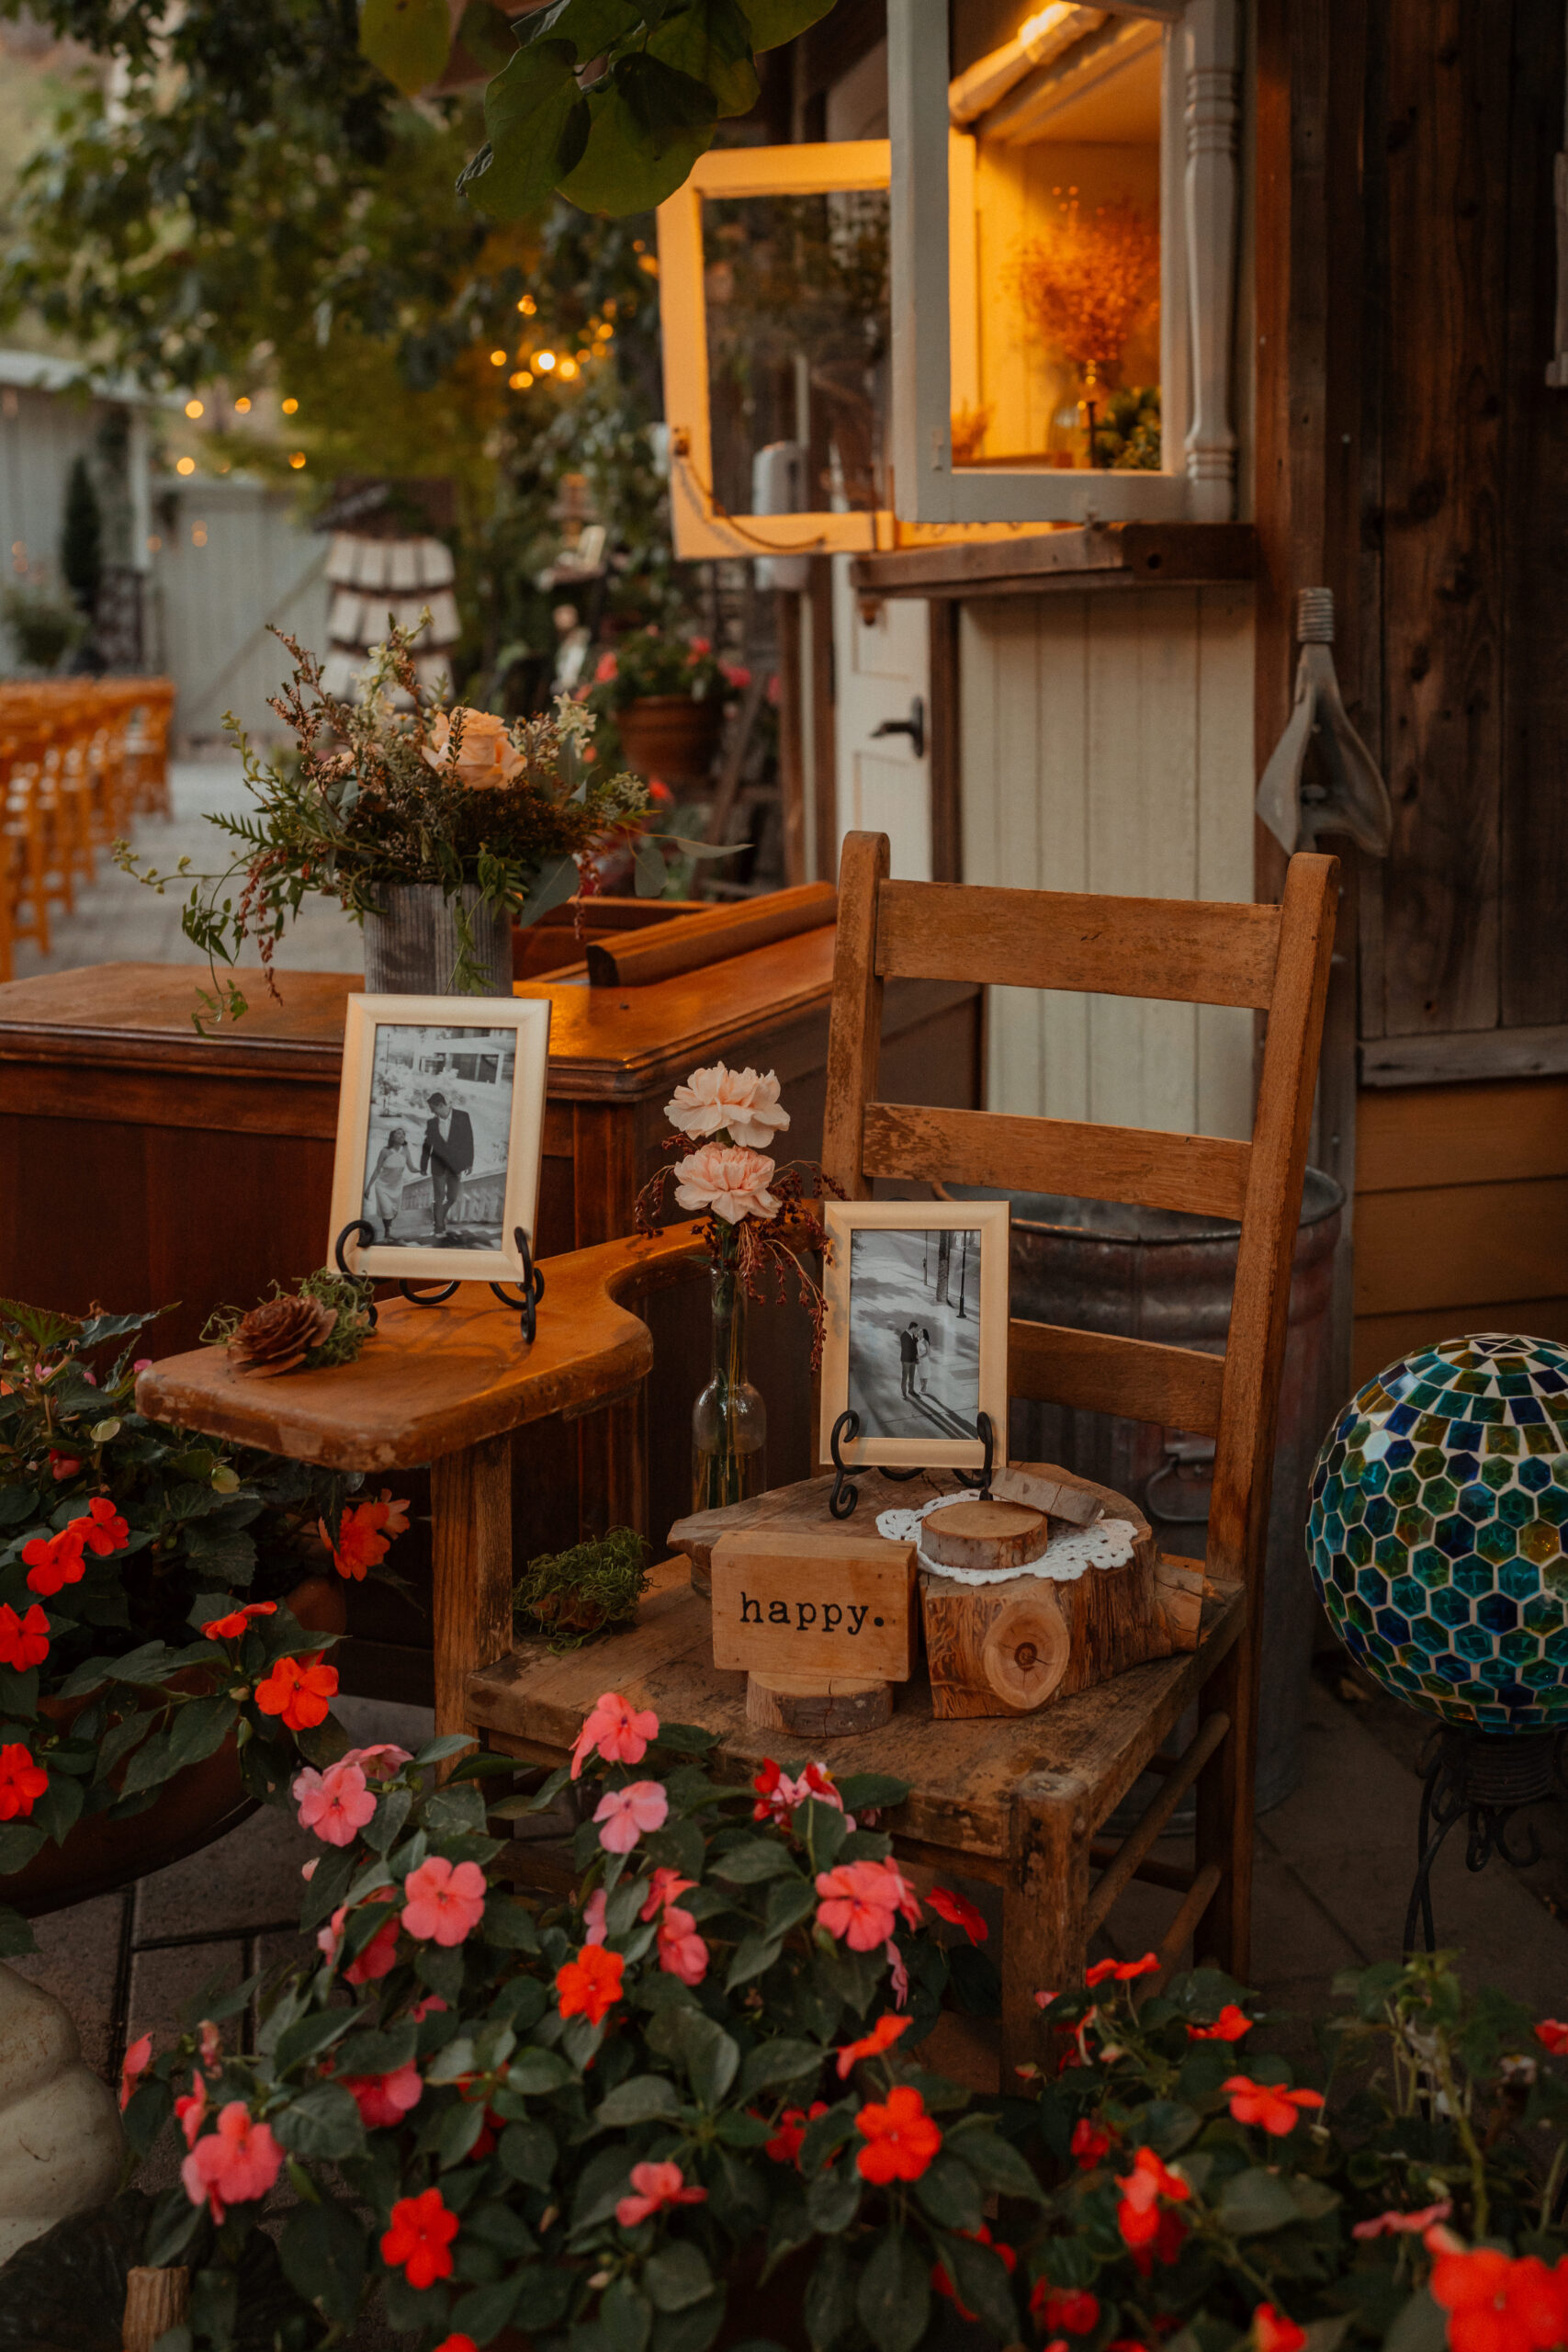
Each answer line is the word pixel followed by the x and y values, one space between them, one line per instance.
pixel 798 337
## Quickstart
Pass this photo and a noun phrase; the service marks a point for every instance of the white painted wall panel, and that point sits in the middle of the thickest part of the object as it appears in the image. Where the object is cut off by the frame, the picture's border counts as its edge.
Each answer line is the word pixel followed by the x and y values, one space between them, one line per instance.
pixel 235 557
pixel 1107 746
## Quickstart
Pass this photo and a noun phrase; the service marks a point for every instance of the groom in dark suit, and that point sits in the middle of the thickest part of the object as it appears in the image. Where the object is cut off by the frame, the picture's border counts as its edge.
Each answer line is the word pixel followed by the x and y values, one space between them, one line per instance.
pixel 449 1154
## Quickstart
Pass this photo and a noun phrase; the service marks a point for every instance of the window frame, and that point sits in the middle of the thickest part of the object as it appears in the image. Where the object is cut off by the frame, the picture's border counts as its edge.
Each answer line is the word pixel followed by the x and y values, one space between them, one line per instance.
pixel 1199 203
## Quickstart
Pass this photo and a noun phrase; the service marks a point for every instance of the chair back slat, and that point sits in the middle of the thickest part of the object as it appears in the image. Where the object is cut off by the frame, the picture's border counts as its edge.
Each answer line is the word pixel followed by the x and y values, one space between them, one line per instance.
pixel 1190 950
pixel 1099 1372
pixel 1205 1175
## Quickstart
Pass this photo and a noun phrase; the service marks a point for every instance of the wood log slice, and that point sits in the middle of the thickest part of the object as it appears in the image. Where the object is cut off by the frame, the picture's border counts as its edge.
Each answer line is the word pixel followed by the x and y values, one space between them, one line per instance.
pixel 814 1707
pixel 1027 1644
pixel 978 1535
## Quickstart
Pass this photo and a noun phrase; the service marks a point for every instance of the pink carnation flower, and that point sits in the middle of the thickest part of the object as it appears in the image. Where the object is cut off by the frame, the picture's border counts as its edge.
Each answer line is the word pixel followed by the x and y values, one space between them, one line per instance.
pixel 654 2187
pixel 232 2165
pixel 384 2098
pixel 743 1102
pixel 627 1814
pixel 615 1730
pixel 445 1901
pixel 730 1181
pixel 334 1804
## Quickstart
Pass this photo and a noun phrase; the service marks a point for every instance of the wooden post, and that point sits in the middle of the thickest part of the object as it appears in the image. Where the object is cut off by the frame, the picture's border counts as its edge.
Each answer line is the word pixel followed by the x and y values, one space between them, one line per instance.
pixel 1044 1906
pixel 155 2300
pixel 470 1496
pixel 792 732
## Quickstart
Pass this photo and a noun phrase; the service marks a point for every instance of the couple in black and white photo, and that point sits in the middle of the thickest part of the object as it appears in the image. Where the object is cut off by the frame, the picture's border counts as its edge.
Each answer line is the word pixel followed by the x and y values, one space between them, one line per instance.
pixel 437 1145
pixel 915 1305
pixel 447 1153
pixel 914 1353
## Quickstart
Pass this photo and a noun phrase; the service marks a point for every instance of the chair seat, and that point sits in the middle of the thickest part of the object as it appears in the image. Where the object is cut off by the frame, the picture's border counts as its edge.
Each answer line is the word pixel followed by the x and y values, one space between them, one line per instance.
pixel 963 1775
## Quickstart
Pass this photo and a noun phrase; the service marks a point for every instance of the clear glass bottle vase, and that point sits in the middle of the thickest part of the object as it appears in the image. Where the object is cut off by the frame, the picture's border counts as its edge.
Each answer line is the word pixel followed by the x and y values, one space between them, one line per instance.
pixel 729 1419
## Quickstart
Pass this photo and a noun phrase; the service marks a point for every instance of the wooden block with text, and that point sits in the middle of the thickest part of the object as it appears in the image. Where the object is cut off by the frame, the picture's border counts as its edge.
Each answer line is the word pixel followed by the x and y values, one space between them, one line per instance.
pixel 787 1602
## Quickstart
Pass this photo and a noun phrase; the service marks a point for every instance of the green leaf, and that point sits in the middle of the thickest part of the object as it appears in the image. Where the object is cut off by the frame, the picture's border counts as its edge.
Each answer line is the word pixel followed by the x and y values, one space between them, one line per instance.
pixel 322 2251
pixel 997 2162
pixel 644 133
pixel 894 2296
pixel 951 2194
pixel 826 2136
pixel 409 40
pixel 309 2035
pixel 593 26
pixel 199 1727
pixel 832 2201
pixel 379 2052
pixel 772 23
pixel 528 2152
pixel 754 1955
pixel 758 1858
pixel 329 1886
pixel 17 1937
pixel 323 2121
pixel 1253 2202
pixel 831 2295
pixel 1421 2326
pixel 487 36
pixel 643 2098
pixel 459 2127
pixel 789 1901
pixel 485 2311
pixel 509 1924
pixel 677 2276
pixel 538 122
pixel 982 2285
pixel 772 2064
pixel 712 2058
pixel 711 40
pixel 57 1810
pixel 692 2330
pixel 18 1843
pixel 534 2071
pixel 647 868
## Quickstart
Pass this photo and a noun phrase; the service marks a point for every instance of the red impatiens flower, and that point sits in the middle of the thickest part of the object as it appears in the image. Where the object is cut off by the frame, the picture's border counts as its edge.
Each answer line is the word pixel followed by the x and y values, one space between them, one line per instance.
pixel 1063 2310
pixel 54 1560
pixel 1275 2331
pixel 1496 2304
pixel 785 2145
pixel 943 2284
pixel 384 2098
pixel 364 1534
pixel 233 2165
pixel 137 2058
pixel 102 1531
pixel 1229 2026
pixel 1137 2215
pixel 419 2242
pixel 589 1985
pixel 1091 2143
pixel 22 1782
pixel 653 2188
pixel 883 2035
pixel 300 1694
pixel 231 1628
pixel 1124 1970
pixel 1277 2111
pixel 1551 2033
pixel 24 1641
pixel 959 1912
pixel 900 2137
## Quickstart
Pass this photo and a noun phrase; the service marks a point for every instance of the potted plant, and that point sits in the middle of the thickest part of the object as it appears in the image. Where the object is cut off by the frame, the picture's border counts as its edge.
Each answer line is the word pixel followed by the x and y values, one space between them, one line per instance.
pixel 435 829
pixel 164 1602
pixel 691 2100
pixel 666 695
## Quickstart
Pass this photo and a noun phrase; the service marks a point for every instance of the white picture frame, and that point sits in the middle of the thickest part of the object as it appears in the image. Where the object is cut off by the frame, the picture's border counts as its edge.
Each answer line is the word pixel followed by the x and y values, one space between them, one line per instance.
pixel 463 1056
pixel 865 1366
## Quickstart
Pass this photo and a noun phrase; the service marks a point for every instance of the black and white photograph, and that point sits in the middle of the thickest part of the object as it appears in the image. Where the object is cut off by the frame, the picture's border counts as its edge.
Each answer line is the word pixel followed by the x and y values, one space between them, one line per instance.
pixel 917 1331
pixel 439 1130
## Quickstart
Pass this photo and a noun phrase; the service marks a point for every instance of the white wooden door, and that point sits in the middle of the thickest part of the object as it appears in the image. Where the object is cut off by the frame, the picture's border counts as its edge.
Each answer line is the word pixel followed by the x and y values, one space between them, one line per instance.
pixel 881 673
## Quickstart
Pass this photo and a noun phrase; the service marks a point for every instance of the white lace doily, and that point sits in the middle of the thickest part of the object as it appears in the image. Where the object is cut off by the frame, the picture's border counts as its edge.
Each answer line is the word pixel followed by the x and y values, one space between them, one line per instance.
pixel 1109 1544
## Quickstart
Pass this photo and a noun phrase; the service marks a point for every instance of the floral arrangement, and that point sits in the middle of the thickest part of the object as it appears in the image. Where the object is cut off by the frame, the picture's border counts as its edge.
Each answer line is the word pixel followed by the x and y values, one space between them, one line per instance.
pixel 611 2121
pixel 653 661
pixel 393 789
pixel 1083 286
pixel 144 1583
pixel 324 1320
pixel 755 1214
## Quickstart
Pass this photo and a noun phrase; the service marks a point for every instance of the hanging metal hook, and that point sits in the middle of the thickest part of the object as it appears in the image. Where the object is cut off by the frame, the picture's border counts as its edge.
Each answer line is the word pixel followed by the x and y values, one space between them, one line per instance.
pixel 1356 800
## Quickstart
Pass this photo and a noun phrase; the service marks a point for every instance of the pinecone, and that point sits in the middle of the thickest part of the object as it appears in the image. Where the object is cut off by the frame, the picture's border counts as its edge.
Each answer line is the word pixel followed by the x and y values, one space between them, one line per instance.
pixel 275 1337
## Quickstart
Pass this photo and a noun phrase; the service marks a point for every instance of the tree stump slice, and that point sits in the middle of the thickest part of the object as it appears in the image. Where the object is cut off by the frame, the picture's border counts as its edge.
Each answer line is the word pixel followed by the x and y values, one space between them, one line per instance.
pixel 984 1535
pixel 155 2300
pixel 1027 1645
pixel 816 1707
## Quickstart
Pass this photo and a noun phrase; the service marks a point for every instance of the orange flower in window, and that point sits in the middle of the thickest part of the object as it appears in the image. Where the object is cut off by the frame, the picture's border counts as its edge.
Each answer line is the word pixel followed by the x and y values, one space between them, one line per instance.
pixel 364 1534
pixel 900 2137
pixel 299 1693
pixel 589 1985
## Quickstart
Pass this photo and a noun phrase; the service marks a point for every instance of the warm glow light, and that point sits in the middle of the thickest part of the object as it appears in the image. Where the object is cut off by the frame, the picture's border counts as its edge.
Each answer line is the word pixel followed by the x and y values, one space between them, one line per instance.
pixel 153 544
pixel 568 369
pixel 543 361
pixel 242 406
pixel 296 458
pixel 498 358
pixel 288 409
pixel 521 381
pixel 1044 20
pixel 528 306
pixel 199 534
pixel 186 466
pixel 194 408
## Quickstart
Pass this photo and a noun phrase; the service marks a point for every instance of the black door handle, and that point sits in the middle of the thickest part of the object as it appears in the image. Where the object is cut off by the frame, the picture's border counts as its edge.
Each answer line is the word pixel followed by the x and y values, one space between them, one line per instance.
pixel 914 726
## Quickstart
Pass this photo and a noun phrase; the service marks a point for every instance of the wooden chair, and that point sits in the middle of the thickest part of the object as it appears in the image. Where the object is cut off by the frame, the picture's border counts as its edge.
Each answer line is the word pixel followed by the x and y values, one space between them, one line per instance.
pixel 1275 960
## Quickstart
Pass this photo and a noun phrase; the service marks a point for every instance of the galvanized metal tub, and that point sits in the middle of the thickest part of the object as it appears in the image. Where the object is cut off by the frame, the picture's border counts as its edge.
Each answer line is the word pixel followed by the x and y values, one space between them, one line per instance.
pixel 412 949
pixel 1158 1274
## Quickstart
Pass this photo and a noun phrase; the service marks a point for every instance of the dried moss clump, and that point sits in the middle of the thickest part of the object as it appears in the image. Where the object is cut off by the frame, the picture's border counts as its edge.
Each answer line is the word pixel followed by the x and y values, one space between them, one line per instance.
pixel 575 1595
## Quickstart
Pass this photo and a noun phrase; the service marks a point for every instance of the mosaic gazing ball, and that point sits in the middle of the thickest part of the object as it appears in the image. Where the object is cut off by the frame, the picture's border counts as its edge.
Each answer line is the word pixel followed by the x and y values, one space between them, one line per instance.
pixel 1435 1531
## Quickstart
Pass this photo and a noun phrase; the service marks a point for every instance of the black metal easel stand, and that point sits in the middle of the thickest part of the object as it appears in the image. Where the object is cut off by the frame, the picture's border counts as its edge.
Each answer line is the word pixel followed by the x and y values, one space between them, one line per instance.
pixel 360 1230
pixel 1483 1779
pixel 846 1494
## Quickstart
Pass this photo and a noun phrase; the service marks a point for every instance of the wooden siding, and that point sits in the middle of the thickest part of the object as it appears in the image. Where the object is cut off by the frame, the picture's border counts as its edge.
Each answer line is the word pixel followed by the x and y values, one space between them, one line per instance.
pixel 1461 1214
pixel 1107 746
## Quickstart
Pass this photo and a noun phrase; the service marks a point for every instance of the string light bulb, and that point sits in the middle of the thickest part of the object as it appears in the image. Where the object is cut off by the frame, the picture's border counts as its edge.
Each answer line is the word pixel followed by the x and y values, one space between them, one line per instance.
pixel 290 409
pixel 186 466
pixel 498 358
pixel 568 369
pixel 521 381
pixel 196 408
pixel 543 361
pixel 528 306
pixel 242 406
pixel 296 458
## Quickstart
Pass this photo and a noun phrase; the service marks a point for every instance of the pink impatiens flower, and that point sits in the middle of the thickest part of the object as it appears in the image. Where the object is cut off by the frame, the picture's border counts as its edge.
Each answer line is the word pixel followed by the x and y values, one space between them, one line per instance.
pixel 384 2098
pixel 334 1804
pixel 615 1730
pixel 379 1956
pixel 137 2060
pixel 682 1952
pixel 237 2163
pixel 654 2187
pixel 191 2110
pixel 445 1901
pixel 593 1928
pixel 628 1814
pixel 1416 2224
pixel 380 1762
pixel 862 1903
pixel 666 1886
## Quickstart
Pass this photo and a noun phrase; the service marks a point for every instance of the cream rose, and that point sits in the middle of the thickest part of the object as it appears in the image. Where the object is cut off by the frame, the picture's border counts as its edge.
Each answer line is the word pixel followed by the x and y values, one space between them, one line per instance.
pixel 488 753
pixel 740 1100
pixel 728 1180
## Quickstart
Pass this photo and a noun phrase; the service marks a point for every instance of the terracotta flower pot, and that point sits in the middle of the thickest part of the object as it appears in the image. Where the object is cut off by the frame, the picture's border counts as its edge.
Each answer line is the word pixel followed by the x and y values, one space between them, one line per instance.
pixel 670 736
pixel 190 1811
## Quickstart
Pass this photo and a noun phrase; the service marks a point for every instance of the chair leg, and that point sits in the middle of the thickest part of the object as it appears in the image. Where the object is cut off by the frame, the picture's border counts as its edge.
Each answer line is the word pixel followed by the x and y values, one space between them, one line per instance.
pixel 1224 1815
pixel 1044 1906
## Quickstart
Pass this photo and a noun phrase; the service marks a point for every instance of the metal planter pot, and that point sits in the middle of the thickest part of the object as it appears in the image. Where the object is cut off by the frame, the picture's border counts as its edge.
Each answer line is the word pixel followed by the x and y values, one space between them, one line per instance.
pixel 1156 1274
pixel 412 949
